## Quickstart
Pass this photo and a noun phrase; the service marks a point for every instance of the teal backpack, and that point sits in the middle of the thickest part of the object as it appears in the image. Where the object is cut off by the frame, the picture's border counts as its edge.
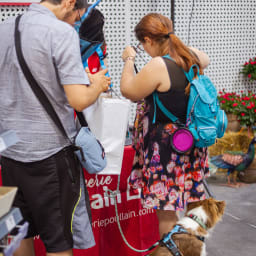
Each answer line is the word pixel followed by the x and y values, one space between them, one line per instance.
pixel 205 119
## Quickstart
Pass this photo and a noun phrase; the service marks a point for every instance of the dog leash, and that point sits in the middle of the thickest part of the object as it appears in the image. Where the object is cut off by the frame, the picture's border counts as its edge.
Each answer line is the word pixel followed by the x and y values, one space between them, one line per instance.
pixel 207 189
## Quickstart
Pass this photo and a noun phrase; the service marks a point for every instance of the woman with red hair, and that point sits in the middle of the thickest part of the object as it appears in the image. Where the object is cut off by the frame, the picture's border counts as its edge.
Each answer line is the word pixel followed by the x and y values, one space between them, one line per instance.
pixel 165 177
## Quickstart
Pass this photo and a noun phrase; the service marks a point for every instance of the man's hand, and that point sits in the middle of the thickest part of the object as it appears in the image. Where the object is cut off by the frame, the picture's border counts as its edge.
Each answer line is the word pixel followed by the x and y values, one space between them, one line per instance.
pixel 99 79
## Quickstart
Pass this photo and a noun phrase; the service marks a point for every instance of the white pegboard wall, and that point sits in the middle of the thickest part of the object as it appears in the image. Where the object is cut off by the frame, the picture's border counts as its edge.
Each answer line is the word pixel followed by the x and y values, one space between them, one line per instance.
pixel 226 31
pixel 8 11
pixel 121 18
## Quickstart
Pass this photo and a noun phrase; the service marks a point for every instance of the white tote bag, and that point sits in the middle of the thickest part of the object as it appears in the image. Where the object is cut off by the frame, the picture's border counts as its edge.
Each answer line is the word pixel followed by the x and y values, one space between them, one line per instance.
pixel 108 120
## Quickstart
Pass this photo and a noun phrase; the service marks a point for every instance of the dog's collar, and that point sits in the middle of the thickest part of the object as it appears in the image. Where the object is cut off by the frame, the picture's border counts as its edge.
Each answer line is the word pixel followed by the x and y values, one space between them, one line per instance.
pixel 197 220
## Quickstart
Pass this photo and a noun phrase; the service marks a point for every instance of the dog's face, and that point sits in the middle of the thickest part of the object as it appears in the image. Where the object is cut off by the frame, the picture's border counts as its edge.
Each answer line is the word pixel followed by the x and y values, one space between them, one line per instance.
pixel 212 208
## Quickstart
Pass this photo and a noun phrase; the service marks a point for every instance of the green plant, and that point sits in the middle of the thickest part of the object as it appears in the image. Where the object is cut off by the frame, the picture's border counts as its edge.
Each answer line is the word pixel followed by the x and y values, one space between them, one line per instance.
pixel 244 106
pixel 227 99
pixel 249 69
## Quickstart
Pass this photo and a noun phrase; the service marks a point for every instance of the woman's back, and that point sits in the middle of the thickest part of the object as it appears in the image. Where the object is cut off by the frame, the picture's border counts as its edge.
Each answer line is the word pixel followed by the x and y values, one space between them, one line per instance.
pixel 174 99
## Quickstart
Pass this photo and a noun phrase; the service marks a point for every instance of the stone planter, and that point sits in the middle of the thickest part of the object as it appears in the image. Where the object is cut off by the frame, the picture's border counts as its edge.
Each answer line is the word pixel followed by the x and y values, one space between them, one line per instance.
pixel 249 175
pixel 233 124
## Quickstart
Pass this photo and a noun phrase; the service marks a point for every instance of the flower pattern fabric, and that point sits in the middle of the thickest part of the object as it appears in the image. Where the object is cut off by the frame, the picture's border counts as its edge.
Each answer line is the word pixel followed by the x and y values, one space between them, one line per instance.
pixel 167 180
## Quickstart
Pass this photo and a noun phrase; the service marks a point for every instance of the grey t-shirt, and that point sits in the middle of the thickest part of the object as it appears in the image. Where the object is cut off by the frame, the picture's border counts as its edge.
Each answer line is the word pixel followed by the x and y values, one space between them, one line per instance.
pixel 51 50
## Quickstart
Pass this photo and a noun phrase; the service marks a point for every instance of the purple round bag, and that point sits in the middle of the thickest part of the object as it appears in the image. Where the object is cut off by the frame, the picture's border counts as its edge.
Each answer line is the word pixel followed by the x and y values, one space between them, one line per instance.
pixel 182 140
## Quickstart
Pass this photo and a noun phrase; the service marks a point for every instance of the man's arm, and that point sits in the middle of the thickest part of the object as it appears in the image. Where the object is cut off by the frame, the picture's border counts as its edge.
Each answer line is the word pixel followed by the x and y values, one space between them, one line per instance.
pixel 81 96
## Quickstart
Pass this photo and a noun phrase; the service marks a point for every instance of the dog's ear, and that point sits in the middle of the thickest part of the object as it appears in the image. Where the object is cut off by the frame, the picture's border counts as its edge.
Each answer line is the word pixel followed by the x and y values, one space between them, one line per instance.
pixel 221 207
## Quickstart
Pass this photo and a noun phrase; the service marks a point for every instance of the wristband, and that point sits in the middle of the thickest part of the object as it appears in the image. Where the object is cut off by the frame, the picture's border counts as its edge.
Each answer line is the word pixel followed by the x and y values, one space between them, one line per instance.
pixel 129 58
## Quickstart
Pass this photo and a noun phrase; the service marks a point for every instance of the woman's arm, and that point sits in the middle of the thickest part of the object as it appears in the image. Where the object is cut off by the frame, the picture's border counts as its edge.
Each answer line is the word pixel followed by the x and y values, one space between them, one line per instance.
pixel 202 56
pixel 138 86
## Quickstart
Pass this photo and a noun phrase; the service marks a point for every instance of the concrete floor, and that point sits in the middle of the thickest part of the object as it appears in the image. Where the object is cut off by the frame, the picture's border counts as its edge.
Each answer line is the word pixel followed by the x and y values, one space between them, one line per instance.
pixel 236 234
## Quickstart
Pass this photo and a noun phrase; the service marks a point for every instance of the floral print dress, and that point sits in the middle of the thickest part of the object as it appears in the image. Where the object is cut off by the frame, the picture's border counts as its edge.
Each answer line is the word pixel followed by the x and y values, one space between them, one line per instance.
pixel 167 180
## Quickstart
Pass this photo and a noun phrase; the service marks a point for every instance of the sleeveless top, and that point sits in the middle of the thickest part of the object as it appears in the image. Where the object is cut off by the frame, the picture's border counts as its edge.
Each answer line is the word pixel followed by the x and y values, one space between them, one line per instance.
pixel 174 99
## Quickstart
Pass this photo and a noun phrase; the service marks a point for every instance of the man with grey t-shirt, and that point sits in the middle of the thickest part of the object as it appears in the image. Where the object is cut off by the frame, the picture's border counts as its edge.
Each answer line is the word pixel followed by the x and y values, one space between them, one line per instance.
pixel 38 165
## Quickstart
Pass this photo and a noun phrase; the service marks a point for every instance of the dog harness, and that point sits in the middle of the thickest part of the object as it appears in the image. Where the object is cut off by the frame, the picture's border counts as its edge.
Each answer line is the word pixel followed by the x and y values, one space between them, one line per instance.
pixel 170 244
pixel 168 241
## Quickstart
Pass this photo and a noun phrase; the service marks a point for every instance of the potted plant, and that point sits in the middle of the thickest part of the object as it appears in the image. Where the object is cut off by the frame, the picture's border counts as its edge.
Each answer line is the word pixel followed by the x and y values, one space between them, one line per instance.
pixel 249 69
pixel 245 109
pixel 228 102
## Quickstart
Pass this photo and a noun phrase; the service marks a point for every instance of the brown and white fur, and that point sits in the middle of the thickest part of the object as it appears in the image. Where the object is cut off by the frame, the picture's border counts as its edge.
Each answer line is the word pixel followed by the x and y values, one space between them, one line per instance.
pixel 209 211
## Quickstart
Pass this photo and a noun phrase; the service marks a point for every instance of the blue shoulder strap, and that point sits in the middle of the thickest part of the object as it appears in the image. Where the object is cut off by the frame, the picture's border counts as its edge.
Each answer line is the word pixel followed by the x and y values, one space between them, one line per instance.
pixel 89 9
pixel 190 74
pixel 102 64
pixel 157 101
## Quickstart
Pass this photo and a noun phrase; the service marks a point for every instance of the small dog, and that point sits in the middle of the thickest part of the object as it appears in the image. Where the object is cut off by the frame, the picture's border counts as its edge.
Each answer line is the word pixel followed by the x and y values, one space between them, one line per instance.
pixel 199 219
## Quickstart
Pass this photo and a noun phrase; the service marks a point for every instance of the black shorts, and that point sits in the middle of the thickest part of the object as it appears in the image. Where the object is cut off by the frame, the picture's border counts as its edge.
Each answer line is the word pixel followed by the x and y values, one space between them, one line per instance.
pixel 47 194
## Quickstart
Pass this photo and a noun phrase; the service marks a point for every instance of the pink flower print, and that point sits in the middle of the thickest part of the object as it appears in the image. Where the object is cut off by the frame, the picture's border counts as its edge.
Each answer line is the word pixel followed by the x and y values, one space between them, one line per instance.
pixel 149 202
pixel 170 182
pixel 200 188
pixel 196 164
pixel 156 148
pixel 145 125
pixel 202 163
pixel 186 159
pixel 173 195
pixel 147 161
pixel 135 174
pixel 193 199
pixel 163 178
pixel 178 171
pixel 189 165
pixel 169 207
pixel 180 181
pixel 159 168
pixel 174 157
pixel 186 196
pixel 155 176
pixel 152 169
pixel 156 158
pixel 188 184
pixel 161 197
pixel 145 190
pixel 188 176
pixel 182 159
pixel 156 202
pixel 170 167
pixel 197 176
pixel 158 189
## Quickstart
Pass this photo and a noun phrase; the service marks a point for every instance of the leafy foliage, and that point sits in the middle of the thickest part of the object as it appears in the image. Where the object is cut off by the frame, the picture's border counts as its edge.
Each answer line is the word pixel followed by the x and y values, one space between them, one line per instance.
pixel 249 69
pixel 243 105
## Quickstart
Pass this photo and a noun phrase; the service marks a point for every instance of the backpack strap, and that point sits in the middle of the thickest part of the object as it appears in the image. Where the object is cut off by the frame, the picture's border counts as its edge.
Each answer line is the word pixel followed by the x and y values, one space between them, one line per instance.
pixel 190 74
pixel 157 102
pixel 102 64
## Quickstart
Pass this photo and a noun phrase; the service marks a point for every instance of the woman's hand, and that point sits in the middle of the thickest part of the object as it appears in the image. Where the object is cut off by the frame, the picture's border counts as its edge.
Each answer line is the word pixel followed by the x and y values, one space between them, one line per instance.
pixel 128 52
